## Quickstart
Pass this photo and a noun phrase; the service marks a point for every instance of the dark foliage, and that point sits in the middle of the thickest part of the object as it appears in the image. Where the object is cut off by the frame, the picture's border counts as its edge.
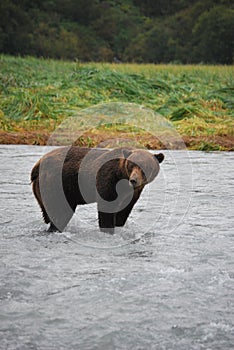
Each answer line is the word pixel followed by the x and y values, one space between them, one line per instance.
pixel 183 31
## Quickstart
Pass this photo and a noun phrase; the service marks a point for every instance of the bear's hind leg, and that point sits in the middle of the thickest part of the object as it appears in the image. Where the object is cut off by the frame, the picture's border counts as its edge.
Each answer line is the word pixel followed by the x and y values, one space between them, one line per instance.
pixel 45 216
pixel 37 194
pixel 60 220
pixel 53 228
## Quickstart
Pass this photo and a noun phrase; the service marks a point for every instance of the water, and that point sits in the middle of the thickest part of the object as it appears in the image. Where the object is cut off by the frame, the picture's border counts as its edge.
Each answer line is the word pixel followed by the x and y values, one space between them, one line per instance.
pixel 165 281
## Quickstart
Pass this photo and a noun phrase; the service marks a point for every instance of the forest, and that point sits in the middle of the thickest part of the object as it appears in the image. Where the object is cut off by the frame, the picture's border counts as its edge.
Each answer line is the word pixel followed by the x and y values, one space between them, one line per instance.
pixel 149 31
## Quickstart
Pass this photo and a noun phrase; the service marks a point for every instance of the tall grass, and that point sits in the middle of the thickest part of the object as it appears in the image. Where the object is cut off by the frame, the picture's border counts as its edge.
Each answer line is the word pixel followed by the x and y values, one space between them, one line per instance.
pixel 37 94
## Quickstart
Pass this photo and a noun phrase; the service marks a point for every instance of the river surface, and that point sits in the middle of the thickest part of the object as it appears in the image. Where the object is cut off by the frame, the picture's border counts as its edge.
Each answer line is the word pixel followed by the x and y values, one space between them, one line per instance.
pixel 165 281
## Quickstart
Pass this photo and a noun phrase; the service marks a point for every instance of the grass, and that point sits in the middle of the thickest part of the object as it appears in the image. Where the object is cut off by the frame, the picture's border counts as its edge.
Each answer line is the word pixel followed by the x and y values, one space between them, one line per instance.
pixel 36 95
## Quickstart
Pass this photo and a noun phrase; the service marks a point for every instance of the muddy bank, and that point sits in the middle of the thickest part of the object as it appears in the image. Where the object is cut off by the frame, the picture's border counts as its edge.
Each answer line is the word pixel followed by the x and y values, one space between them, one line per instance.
pixel 206 143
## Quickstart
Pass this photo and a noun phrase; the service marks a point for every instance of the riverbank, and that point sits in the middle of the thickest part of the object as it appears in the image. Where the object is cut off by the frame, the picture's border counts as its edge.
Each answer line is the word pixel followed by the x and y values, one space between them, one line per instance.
pixel 37 95
pixel 208 143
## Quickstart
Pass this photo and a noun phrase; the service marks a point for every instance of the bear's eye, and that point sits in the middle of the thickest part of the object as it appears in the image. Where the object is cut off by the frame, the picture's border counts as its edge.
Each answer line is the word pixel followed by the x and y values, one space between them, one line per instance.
pixel 131 166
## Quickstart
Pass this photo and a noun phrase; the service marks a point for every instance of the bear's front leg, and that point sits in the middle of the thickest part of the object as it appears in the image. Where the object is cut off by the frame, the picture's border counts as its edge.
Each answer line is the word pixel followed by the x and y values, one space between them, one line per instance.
pixel 106 222
pixel 122 215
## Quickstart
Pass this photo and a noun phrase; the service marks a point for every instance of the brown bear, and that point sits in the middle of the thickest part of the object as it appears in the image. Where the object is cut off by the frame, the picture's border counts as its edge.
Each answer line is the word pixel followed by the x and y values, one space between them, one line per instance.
pixel 69 176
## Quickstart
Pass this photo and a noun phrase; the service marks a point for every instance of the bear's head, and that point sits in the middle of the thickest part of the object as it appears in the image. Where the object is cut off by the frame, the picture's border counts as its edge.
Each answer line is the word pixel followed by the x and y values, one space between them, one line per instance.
pixel 141 166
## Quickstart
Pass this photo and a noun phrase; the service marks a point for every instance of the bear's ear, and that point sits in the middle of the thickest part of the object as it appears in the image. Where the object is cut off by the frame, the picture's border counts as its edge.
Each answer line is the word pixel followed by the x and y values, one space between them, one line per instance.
pixel 159 157
pixel 126 152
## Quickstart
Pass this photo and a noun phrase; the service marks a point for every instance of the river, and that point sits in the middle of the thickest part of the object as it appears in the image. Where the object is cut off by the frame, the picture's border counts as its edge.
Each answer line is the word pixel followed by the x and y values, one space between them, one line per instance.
pixel 165 281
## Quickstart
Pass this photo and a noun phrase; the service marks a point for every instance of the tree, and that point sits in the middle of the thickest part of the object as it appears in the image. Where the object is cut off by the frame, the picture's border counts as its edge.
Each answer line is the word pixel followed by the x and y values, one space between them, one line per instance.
pixel 214 36
pixel 136 30
pixel 159 8
pixel 15 25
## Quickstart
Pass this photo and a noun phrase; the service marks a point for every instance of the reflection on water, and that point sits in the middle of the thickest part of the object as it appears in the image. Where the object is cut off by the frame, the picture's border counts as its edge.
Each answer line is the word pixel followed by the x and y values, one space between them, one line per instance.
pixel 165 281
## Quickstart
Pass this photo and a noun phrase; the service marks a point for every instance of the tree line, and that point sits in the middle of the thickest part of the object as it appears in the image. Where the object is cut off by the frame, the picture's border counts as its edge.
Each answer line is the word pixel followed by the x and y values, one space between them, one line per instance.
pixel 148 31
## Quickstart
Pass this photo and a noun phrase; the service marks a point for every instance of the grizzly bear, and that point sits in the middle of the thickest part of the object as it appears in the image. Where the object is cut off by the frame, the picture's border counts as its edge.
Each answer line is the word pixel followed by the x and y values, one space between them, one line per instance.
pixel 69 176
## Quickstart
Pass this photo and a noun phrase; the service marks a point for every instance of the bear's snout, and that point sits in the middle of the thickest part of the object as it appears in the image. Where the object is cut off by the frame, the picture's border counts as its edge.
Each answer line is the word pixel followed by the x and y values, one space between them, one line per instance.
pixel 136 178
pixel 133 182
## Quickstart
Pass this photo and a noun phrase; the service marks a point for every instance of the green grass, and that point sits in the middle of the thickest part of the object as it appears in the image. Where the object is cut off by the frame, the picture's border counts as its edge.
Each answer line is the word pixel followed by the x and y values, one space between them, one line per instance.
pixel 37 94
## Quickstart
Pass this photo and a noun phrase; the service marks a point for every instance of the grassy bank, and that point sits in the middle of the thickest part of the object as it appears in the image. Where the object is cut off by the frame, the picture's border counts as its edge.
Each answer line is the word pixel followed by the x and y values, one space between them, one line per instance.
pixel 37 95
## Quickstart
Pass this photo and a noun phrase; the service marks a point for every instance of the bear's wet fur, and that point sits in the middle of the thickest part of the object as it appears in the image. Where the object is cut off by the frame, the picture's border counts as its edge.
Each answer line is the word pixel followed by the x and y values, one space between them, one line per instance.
pixel 70 176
